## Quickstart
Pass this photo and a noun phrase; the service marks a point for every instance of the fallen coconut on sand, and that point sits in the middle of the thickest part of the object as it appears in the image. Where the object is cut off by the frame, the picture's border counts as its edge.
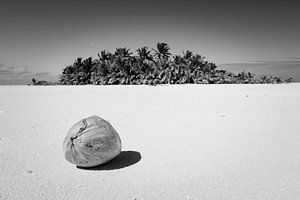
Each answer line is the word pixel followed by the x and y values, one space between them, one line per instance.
pixel 91 141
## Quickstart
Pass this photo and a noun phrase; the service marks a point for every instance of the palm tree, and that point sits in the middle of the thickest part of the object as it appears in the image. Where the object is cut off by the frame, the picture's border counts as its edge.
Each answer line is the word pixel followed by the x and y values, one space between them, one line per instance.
pixel 187 55
pixel 162 51
pixel 144 54
pixel 196 60
pixel 77 63
pixel 122 52
pixel 104 56
pixel 76 68
pixel 143 60
pixel 33 81
pixel 122 65
pixel 66 76
pixel 162 54
pixel 86 70
pixel 184 67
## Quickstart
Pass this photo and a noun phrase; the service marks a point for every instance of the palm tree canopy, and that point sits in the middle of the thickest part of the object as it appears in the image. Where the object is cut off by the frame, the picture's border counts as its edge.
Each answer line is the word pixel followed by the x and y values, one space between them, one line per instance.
pixel 104 55
pixel 123 52
pixel 78 61
pixel 144 54
pixel 187 54
pixel 163 50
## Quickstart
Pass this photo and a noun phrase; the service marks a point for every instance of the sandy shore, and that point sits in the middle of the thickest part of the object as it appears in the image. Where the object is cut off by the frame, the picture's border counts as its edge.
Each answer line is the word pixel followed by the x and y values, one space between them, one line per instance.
pixel 179 142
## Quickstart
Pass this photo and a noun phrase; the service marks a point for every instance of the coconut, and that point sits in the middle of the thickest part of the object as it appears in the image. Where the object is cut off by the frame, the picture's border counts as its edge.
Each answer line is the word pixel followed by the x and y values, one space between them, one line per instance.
pixel 91 141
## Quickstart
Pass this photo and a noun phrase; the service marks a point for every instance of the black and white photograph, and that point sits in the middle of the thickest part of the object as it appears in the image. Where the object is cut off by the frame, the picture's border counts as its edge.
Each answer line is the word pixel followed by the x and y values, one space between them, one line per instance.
pixel 150 99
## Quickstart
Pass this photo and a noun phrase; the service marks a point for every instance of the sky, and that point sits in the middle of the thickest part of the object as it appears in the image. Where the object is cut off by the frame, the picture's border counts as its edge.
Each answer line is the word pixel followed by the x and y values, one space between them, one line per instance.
pixel 39 38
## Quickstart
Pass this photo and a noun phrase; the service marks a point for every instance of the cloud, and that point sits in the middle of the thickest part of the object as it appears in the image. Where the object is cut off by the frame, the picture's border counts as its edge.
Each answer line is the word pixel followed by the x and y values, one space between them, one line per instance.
pixel 276 62
pixel 13 71
pixel 13 75
pixel 295 58
pixel 42 74
pixel 284 69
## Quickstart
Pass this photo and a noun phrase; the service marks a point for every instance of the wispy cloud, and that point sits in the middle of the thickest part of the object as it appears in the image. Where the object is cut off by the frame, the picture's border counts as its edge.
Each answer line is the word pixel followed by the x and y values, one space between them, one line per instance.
pixel 283 68
pixel 13 71
pixel 295 58
pixel 42 74
pixel 295 61
pixel 21 75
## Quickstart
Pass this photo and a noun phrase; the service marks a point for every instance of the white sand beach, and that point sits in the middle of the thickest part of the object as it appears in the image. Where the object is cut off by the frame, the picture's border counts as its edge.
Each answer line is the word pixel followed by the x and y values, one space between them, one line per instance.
pixel 178 142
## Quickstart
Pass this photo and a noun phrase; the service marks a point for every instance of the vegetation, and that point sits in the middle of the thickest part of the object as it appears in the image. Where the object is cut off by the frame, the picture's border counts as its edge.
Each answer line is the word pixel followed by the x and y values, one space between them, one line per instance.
pixel 152 67
pixel 42 82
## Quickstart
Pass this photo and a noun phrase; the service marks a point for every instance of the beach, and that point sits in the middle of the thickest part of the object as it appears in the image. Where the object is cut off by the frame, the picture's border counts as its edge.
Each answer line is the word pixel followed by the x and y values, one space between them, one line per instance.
pixel 178 142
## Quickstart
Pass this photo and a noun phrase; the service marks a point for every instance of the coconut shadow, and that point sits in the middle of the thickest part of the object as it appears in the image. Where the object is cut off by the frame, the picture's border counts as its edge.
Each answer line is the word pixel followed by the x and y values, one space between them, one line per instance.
pixel 124 159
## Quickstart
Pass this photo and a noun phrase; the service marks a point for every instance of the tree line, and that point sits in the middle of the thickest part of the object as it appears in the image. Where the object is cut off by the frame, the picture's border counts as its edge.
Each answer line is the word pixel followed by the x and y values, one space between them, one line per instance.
pixel 152 67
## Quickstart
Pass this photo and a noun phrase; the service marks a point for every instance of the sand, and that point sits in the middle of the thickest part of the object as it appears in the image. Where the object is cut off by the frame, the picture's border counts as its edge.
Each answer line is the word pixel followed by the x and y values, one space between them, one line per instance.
pixel 179 142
